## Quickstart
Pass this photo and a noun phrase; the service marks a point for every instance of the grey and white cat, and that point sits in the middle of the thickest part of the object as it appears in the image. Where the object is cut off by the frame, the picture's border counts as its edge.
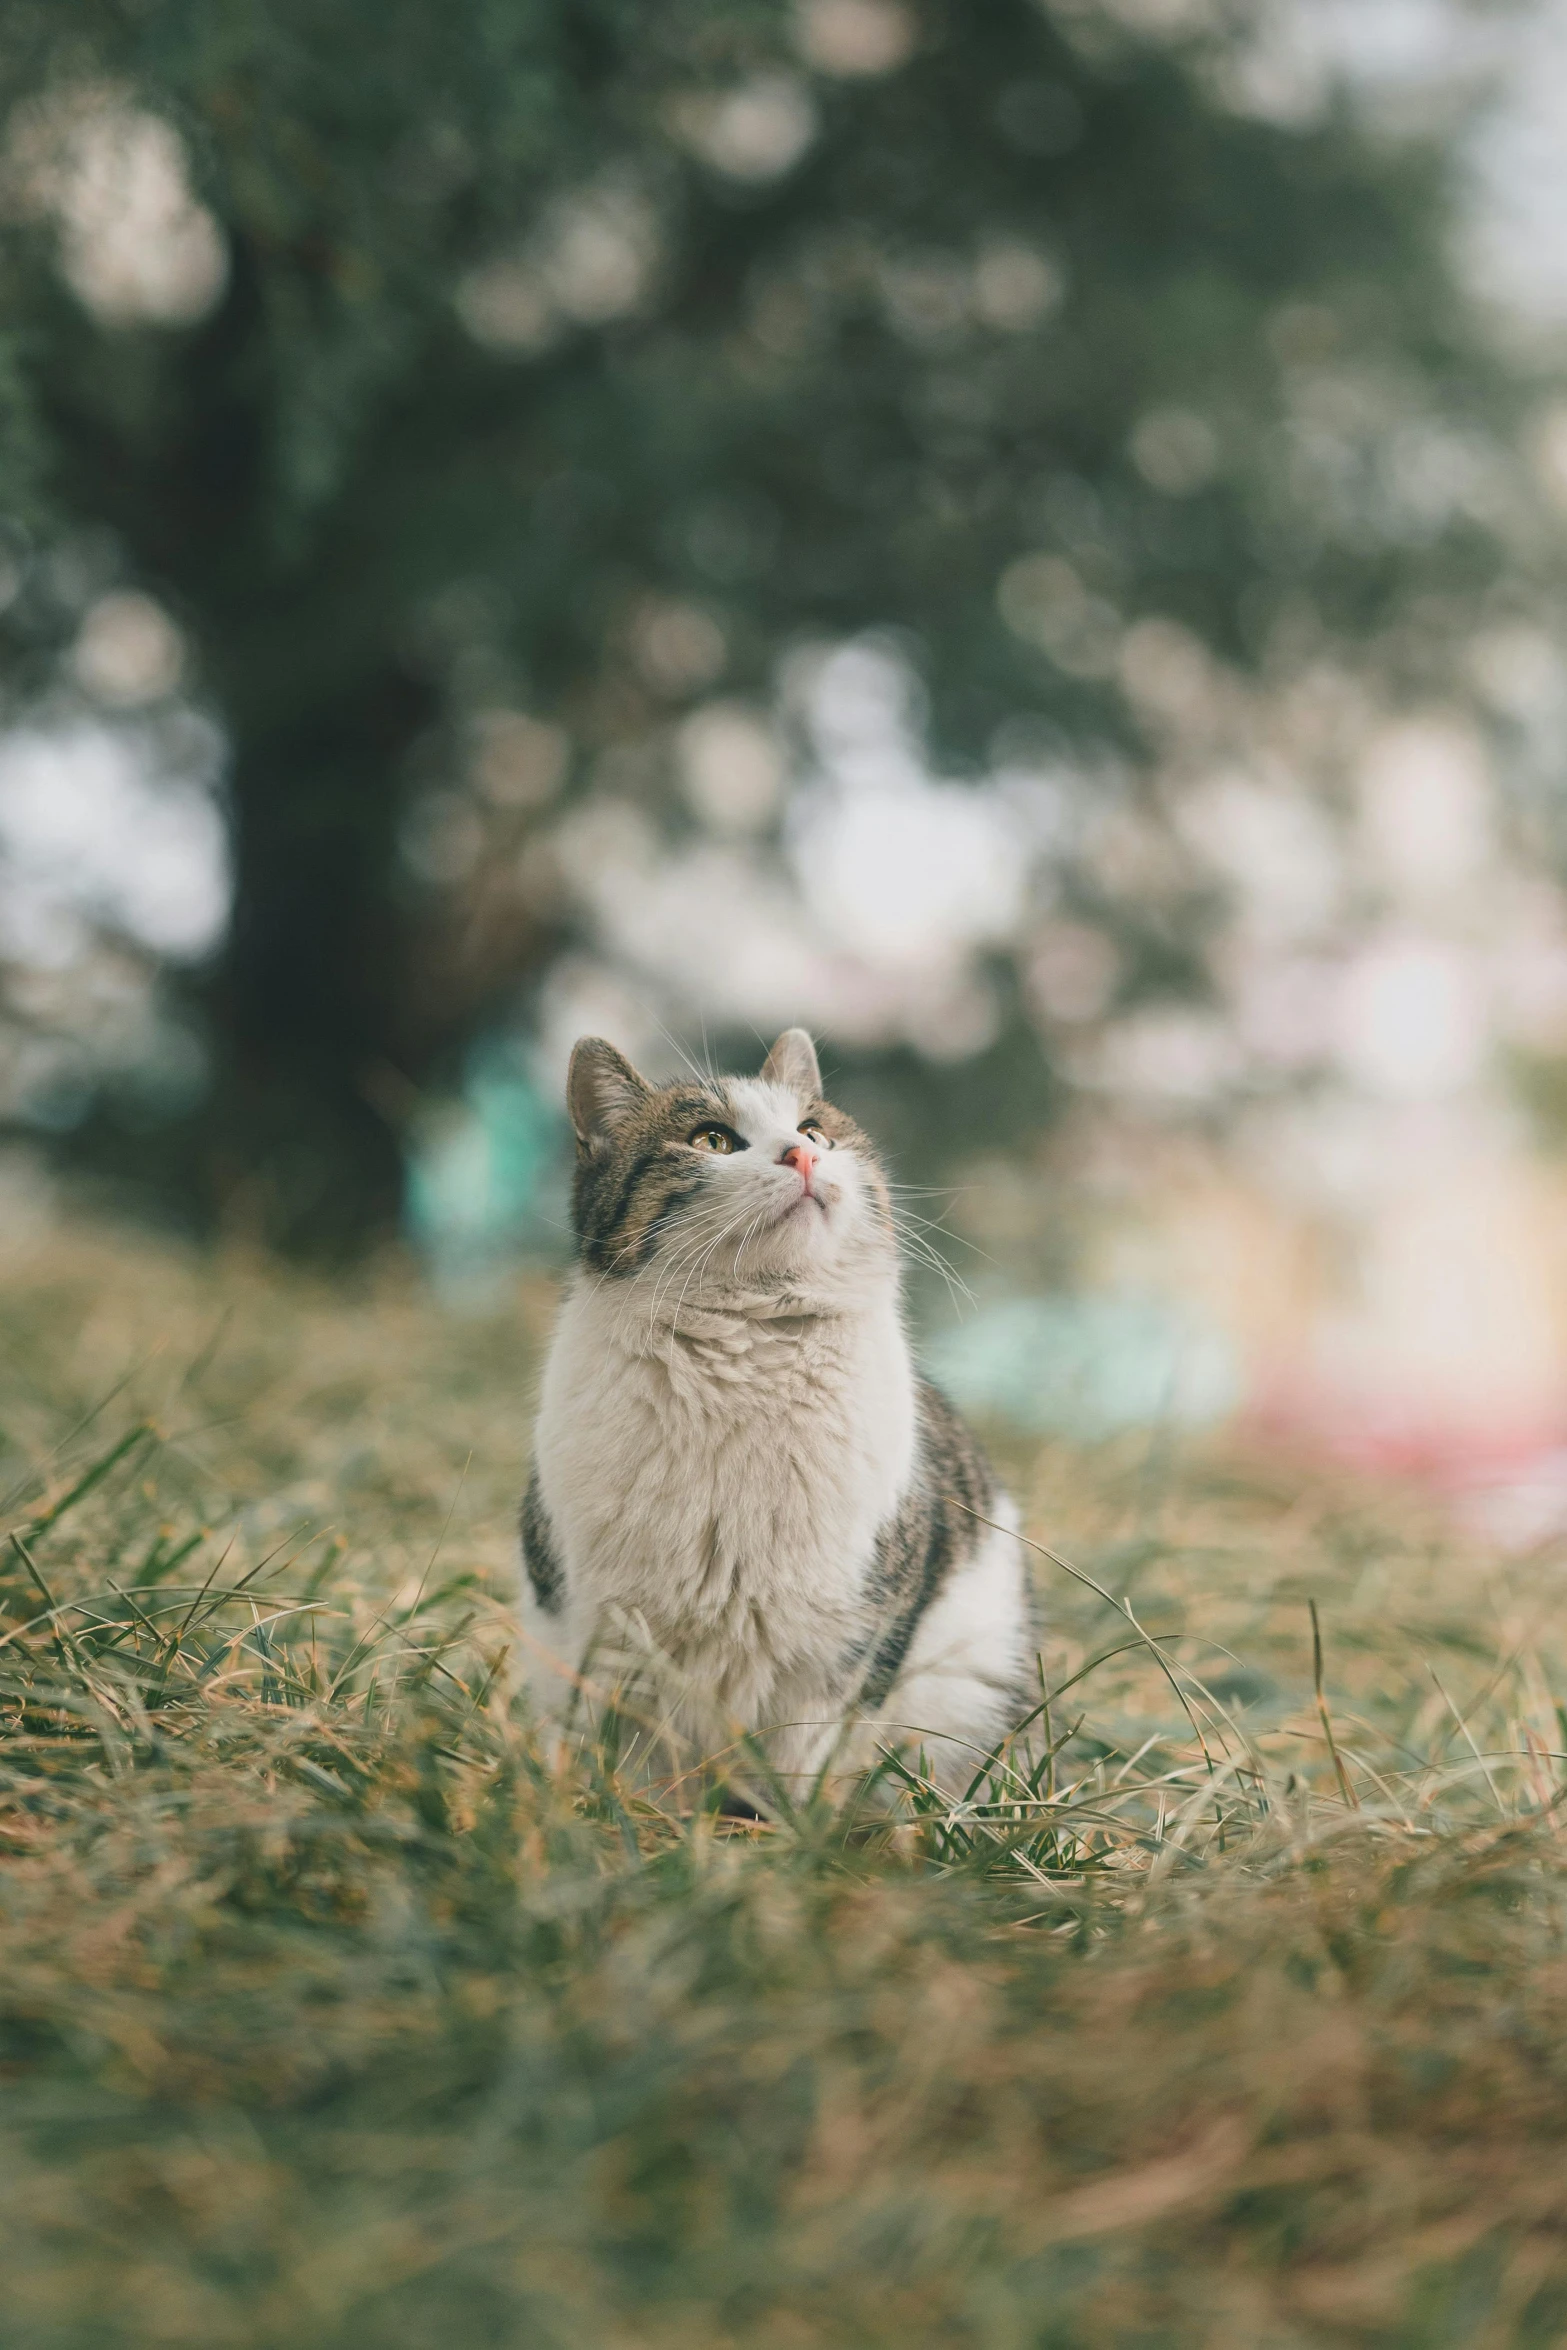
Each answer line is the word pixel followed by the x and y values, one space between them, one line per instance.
pixel 737 1469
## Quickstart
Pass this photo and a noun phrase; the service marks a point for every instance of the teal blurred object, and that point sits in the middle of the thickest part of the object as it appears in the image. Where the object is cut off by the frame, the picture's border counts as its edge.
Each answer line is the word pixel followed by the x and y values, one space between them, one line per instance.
pixel 1087 1366
pixel 483 1170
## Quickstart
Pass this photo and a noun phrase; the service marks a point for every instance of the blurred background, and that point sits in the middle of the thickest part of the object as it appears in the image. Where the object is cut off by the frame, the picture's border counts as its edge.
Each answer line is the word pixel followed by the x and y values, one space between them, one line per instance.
pixel 1031 539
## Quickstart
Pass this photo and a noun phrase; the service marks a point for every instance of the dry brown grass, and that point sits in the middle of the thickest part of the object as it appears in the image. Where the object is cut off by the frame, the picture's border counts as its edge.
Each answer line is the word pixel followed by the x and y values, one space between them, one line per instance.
pixel 332 2014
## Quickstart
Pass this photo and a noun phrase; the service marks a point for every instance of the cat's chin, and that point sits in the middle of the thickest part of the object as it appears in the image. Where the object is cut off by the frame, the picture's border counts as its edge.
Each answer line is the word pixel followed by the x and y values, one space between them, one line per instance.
pixel 808 1236
pixel 810 1207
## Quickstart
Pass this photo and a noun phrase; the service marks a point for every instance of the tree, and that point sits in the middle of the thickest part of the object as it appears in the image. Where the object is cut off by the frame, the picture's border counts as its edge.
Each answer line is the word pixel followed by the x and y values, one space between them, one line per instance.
pixel 571 354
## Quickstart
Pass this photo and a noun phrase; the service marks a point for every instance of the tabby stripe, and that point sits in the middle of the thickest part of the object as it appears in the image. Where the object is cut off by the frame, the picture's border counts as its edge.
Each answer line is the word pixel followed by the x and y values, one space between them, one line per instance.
pixel 888 1657
pixel 607 1223
pixel 545 1572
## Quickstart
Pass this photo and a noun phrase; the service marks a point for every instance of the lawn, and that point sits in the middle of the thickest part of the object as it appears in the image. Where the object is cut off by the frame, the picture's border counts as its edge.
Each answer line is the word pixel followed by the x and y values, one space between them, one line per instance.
pixel 336 2013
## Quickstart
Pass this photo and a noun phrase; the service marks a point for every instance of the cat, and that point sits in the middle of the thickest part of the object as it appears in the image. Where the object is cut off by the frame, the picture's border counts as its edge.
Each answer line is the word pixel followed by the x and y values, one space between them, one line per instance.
pixel 738 1472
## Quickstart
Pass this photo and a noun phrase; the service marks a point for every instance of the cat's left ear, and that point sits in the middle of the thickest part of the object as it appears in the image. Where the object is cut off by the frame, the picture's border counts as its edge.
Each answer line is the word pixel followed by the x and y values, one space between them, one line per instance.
pixel 602 1089
pixel 792 1063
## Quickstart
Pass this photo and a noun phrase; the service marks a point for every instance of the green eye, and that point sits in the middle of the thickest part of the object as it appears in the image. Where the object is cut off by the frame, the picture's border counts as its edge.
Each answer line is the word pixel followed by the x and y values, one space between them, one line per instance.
pixel 715 1138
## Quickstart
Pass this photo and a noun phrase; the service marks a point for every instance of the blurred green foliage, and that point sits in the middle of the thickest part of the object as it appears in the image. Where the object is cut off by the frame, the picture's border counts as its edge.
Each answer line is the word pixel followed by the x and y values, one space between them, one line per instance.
pixel 1037 288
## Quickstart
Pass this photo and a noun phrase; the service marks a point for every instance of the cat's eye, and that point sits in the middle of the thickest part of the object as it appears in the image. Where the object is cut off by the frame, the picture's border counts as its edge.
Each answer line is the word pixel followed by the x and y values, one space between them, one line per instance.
pixel 721 1139
pixel 818 1134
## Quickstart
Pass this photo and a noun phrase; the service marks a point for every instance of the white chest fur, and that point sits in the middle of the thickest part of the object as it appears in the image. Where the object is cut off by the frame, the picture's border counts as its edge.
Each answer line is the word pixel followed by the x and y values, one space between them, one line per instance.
pixel 721 1474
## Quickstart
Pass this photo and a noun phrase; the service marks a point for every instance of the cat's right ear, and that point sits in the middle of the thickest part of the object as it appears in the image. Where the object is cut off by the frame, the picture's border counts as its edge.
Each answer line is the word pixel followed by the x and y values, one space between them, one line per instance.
pixel 602 1089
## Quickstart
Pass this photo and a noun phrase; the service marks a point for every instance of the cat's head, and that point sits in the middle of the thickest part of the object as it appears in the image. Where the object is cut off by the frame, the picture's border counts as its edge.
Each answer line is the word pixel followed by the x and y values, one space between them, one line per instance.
pixel 722 1180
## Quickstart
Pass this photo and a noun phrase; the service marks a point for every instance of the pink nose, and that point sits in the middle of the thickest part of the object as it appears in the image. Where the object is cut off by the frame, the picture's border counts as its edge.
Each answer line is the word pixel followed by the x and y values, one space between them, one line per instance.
pixel 802 1158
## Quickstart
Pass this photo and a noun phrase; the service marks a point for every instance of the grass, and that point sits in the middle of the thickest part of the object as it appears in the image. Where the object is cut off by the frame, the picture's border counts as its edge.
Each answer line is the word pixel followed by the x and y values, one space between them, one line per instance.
pixel 337 2014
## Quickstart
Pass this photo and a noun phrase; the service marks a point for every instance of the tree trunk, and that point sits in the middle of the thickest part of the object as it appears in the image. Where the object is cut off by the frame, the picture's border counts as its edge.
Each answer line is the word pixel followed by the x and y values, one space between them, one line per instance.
pixel 308 1004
